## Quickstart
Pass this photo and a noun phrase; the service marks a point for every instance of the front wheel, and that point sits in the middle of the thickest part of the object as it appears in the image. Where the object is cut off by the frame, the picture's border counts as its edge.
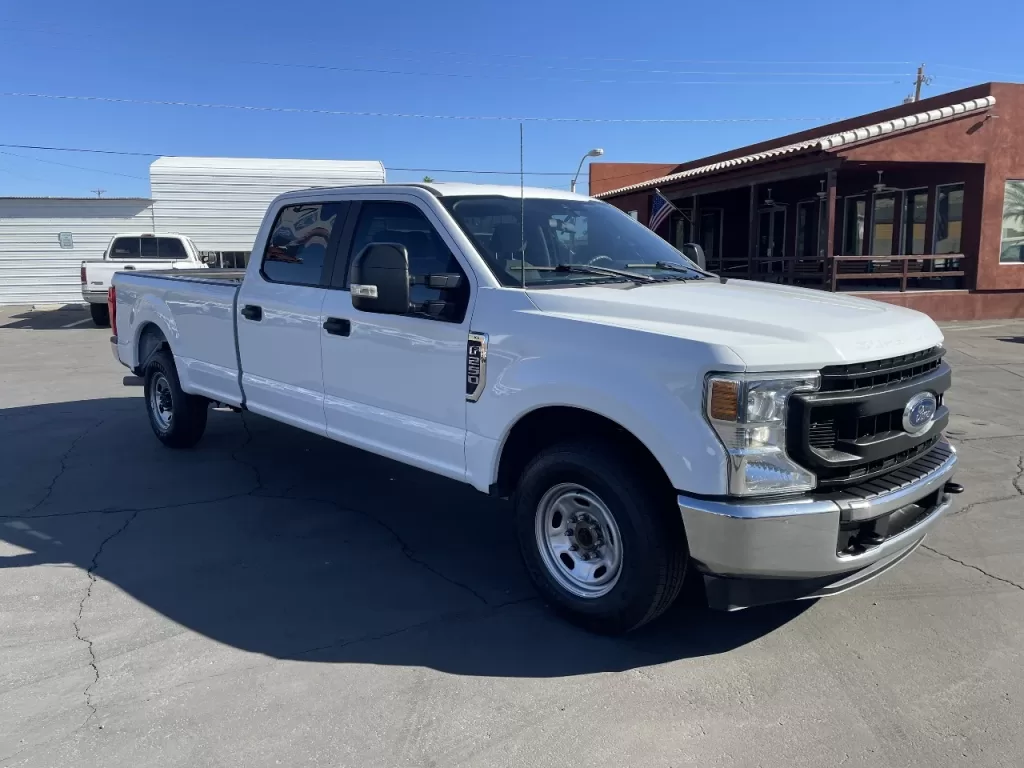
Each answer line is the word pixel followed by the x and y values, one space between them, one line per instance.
pixel 178 418
pixel 600 537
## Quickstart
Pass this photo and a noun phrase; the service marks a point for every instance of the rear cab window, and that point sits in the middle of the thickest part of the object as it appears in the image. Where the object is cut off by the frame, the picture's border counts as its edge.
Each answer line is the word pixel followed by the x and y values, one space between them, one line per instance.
pixel 148 247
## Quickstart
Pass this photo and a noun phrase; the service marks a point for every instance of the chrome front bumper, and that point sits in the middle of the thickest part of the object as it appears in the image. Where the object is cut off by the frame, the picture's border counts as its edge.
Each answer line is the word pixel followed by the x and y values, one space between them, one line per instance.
pixel 797 538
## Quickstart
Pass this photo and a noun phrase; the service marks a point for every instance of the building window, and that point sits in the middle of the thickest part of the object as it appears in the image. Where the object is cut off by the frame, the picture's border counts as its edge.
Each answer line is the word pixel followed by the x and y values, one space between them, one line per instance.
pixel 949 215
pixel 1011 246
pixel 853 226
pixel 882 218
pixel 807 229
pixel 710 236
pixel 915 220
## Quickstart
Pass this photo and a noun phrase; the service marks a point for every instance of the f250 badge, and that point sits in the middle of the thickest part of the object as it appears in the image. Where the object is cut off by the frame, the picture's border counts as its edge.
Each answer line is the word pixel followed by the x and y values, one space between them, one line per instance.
pixel 476 366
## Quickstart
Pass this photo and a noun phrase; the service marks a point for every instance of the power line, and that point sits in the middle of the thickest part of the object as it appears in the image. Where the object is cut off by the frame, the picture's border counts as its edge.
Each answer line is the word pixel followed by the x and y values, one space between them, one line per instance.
pixel 68 165
pixel 421 116
pixel 157 154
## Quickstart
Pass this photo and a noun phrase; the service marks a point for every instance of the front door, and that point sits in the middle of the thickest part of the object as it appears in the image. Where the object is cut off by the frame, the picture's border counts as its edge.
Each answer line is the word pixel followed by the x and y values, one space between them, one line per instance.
pixel 771 242
pixel 279 324
pixel 396 384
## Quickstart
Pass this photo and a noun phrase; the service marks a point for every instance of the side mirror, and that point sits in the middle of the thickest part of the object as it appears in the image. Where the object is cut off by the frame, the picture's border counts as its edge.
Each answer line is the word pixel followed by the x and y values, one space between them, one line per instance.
pixel 695 253
pixel 379 279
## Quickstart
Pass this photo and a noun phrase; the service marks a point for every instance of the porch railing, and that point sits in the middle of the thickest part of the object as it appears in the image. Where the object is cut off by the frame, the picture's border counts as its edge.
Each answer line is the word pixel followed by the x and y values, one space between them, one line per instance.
pixel 902 268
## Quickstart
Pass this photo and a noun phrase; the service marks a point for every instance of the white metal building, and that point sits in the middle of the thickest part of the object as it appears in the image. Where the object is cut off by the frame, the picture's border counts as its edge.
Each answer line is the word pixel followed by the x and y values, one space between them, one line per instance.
pixel 43 240
pixel 217 201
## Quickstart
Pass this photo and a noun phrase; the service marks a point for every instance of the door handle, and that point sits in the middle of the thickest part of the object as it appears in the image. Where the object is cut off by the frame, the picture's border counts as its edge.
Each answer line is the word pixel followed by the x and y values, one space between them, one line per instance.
pixel 252 312
pixel 338 326
pixel 128 268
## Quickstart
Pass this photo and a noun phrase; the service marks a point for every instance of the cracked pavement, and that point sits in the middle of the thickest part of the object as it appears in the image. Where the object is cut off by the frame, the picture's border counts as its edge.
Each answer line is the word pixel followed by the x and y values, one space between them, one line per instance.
pixel 272 598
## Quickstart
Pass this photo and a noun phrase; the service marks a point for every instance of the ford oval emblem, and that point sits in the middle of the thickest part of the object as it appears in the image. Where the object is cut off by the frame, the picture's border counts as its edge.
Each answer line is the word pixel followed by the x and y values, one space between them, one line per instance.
pixel 920 411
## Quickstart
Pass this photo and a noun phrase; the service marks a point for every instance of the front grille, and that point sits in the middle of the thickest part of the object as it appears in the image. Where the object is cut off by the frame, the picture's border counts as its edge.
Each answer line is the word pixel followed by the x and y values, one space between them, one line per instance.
pixel 879 373
pixel 852 427
pixel 851 474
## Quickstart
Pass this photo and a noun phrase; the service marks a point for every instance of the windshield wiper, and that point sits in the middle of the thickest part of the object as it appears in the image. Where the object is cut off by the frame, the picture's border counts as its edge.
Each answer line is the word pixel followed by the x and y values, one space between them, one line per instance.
pixel 590 269
pixel 671 267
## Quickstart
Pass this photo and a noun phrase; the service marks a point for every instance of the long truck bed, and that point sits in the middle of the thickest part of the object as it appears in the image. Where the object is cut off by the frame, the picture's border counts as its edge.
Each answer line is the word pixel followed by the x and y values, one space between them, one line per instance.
pixel 202 325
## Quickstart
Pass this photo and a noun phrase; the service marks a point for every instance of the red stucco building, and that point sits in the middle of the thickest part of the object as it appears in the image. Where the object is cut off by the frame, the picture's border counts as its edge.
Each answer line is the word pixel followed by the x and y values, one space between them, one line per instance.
pixel 920 205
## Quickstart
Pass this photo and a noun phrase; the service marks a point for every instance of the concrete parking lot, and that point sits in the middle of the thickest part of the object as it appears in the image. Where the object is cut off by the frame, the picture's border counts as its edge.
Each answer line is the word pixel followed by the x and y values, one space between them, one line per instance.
pixel 273 598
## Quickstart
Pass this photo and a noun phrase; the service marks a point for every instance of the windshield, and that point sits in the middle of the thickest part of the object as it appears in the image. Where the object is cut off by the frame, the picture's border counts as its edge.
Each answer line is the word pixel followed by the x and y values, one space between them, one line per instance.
pixel 557 233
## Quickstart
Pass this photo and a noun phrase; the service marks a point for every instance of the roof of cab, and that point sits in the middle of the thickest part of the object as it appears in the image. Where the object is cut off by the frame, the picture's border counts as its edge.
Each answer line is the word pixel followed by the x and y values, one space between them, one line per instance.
pixel 455 189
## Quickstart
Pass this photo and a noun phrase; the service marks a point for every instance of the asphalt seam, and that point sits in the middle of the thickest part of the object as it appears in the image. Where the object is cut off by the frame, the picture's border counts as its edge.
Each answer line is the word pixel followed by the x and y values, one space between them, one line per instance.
pixel 91 573
pixel 974 567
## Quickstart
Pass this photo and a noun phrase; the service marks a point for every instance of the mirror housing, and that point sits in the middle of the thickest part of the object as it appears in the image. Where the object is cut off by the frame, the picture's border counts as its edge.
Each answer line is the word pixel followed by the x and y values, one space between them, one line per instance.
pixel 695 253
pixel 379 279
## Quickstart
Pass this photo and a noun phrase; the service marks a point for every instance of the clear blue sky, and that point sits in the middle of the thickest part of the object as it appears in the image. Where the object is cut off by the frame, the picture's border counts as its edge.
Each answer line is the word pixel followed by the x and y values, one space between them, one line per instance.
pixel 557 58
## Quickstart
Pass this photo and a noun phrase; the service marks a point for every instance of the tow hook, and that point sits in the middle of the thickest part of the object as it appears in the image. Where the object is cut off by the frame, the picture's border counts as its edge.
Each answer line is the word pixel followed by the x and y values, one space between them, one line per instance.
pixel 953 488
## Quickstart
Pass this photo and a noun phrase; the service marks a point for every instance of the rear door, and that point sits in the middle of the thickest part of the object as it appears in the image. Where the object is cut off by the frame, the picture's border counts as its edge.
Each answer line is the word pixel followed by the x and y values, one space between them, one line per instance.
pixel 279 323
pixel 396 384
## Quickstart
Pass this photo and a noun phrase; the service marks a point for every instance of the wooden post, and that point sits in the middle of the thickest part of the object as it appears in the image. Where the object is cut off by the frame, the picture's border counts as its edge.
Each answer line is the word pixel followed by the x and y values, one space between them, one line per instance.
pixel 903 277
pixel 752 231
pixel 695 224
pixel 929 227
pixel 830 229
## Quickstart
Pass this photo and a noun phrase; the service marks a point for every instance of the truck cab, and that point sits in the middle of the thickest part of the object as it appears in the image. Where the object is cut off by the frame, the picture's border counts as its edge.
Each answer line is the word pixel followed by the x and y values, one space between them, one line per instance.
pixel 646 418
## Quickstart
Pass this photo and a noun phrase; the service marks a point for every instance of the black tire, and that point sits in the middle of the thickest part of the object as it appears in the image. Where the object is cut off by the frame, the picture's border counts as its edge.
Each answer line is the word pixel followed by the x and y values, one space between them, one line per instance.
pixel 100 315
pixel 653 555
pixel 177 418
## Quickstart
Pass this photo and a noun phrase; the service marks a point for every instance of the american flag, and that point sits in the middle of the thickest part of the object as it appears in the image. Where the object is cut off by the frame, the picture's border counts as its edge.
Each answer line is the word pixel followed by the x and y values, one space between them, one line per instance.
pixel 660 210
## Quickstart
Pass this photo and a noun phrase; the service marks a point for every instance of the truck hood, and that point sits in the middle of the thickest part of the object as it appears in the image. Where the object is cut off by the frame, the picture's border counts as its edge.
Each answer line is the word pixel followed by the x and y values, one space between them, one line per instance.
pixel 770 327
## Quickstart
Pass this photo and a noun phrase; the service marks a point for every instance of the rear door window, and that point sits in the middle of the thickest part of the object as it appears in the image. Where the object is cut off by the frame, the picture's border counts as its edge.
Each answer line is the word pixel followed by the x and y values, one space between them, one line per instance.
pixel 299 240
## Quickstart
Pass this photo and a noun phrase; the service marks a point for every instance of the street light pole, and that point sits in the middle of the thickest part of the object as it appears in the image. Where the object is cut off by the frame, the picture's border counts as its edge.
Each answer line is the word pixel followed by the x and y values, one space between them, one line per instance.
pixel 592 153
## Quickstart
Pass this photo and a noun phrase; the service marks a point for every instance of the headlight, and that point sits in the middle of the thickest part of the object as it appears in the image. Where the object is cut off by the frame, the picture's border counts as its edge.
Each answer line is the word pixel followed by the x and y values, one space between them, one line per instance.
pixel 748 411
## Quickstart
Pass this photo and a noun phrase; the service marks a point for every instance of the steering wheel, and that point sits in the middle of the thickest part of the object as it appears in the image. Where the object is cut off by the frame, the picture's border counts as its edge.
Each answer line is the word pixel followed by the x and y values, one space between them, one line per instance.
pixel 593 262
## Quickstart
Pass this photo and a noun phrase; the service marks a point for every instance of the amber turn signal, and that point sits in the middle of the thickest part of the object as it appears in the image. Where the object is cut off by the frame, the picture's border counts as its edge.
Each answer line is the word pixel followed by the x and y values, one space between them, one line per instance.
pixel 724 404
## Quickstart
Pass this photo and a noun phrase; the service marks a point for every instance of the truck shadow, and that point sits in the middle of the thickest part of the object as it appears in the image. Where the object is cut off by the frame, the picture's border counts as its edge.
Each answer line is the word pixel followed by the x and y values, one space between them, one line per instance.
pixel 69 317
pixel 282 543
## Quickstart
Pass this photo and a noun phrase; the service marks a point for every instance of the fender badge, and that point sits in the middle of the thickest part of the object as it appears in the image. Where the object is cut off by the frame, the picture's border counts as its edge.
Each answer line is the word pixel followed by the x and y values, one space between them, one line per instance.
pixel 476 366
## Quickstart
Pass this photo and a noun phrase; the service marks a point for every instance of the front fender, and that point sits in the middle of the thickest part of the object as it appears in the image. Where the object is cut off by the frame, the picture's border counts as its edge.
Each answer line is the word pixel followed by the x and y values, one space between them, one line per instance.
pixel 656 396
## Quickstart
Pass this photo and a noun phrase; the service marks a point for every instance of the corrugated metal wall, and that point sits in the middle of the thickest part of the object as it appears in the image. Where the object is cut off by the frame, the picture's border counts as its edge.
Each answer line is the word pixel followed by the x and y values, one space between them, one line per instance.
pixel 34 269
pixel 219 202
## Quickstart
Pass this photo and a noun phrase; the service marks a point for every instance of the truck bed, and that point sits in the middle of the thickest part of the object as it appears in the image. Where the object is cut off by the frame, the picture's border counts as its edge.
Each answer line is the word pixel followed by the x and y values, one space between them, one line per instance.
pixel 212 276
pixel 196 307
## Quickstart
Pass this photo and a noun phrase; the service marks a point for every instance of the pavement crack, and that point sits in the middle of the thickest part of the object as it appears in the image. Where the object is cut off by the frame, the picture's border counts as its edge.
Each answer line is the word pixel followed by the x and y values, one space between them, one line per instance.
pixel 234 455
pixel 1020 476
pixel 63 468
pixel 122 510
pixel 91 573
pixel 407 551
pixel 974 567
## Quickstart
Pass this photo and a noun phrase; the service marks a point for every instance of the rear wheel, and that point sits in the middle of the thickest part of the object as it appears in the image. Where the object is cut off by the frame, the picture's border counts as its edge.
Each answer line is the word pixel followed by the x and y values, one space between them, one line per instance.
pixel 100 315
pixel 178 419
pixel 600 537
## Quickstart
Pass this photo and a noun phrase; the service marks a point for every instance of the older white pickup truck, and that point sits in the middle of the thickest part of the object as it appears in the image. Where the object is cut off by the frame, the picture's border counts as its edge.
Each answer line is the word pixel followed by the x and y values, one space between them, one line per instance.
pixel 645 416
pixel 133 251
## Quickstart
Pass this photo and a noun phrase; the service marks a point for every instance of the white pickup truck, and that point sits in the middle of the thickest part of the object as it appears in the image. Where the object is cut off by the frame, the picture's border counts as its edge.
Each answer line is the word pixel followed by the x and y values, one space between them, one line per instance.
pixel 134 251
pixel 646 417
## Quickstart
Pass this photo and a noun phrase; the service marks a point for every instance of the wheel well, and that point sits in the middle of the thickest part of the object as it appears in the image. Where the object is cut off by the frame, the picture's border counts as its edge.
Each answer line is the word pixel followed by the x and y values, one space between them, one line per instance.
pixel 545 427
pixel 151 339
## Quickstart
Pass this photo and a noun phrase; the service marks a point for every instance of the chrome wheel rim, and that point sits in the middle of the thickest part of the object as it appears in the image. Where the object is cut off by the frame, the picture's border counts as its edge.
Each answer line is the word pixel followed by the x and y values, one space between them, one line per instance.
pixel 578 540
pixel 160 402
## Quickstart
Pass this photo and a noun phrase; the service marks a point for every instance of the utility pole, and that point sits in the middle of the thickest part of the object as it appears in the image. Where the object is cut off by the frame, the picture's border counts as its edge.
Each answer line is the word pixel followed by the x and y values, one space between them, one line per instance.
pixel 99 192
pixel 921 79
